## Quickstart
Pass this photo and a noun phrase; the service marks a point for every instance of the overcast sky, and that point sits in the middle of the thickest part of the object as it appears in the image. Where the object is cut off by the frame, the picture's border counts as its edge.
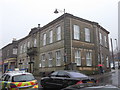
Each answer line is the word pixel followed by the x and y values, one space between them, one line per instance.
pixel 17 17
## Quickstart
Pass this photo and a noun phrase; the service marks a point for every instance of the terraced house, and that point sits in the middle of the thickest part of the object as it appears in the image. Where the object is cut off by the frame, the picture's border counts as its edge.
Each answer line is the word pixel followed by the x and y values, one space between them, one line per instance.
pixel 68 42
pixel 27 51
pixel 9 56
pixel 1 62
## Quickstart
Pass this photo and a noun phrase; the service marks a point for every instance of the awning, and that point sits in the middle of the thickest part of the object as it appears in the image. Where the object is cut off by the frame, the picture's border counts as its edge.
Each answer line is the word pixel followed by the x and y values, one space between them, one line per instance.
pixel 10 60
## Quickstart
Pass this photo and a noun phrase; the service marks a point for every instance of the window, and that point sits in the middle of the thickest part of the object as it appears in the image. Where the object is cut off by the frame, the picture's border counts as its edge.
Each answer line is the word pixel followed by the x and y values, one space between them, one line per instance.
pixel 3 77
pixel 54 74
pixel 51 36
pixel 43 60
pixel 101 39
pixel 15 51
pixel 50 60
pixel 7 77
pixel 98 58
pixel 78 57
pixel 87 34
pixel 107 61
pixel 76 32
pixel 77 75
pixel 58 58
pixel 40 65
pixel 28 44
pixel 102 58
pixel 44 39
pixel 35 43
pixel 89 59
pixel 58 33
pixel 21 78
pixel 61 73
pixel 105 39
pixel 21 47
pixel 24 48
pixel 8 52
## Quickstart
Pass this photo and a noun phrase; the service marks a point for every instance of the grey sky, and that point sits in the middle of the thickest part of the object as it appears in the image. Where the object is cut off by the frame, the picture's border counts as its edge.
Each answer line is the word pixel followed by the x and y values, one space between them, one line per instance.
pixel 17 17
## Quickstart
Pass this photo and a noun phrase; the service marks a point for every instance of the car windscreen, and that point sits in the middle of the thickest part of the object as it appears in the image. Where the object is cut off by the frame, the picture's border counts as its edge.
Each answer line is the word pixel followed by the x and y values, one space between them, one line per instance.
pixel 23 78
pixel 77 75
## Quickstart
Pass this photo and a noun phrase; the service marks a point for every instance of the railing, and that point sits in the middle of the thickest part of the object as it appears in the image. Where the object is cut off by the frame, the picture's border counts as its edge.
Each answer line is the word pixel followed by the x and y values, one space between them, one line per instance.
pixel 32 51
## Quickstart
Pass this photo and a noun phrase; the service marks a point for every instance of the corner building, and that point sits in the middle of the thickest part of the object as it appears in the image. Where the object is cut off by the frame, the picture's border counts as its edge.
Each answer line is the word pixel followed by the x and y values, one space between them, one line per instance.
pixel 68 42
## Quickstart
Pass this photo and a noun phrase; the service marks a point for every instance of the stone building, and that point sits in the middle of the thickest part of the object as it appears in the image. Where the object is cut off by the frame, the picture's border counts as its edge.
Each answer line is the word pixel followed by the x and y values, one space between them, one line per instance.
pixel 9 55
pixel 119 33
pixel 1 60
pixel 68 42
pixel 119 26
pixel 27 51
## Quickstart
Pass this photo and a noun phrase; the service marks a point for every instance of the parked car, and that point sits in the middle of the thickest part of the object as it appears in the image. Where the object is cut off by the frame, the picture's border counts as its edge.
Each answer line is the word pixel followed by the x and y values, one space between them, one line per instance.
pixel 62 78
pixel 17 80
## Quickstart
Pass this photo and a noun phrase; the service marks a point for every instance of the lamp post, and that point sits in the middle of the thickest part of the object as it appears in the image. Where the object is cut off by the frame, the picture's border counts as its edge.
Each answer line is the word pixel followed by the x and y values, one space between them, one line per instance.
pixel 117 54
pixel 20 64
pixel 65 51
pixel 31 64
pixel 57 11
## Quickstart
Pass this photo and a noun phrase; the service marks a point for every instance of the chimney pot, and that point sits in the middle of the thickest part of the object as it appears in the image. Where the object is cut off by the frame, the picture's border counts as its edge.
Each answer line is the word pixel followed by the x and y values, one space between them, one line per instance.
pixel 38 25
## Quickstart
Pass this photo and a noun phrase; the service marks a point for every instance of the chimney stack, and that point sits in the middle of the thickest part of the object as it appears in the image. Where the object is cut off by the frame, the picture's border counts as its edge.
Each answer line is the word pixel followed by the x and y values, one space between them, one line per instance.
pixel 14 39
pixel 38 25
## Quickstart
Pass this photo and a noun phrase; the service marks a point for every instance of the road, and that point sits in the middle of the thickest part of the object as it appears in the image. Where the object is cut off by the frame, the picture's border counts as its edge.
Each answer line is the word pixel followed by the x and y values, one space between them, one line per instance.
pixel 116 78
pixel 111 78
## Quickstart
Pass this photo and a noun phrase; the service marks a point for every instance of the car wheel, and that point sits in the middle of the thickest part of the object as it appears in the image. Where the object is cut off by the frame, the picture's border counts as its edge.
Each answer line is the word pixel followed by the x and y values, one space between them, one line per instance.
pixel 44 88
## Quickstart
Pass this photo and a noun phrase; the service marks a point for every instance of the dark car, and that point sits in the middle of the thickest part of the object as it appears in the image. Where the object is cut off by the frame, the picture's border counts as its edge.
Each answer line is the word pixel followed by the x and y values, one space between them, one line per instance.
pixel 61 79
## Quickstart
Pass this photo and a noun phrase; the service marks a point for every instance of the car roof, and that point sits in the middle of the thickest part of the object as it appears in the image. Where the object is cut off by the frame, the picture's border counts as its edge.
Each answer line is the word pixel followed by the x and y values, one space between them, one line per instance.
pixel 68 71
pixel 14 73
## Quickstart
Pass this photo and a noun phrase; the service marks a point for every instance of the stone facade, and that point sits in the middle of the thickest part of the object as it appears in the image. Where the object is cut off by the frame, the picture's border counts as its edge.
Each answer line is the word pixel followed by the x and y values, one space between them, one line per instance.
pixel 9 56
pixel 1 60
pixel 68 42
pixel 28 51
pixel 119 30
pixel 98 45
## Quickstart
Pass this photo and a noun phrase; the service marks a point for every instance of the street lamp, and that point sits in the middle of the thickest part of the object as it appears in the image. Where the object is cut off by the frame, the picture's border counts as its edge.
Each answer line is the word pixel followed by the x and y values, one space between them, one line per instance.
pixel 65 51
pixel 57 11
pixel 20 63
pixel 117 53
pixel 31 63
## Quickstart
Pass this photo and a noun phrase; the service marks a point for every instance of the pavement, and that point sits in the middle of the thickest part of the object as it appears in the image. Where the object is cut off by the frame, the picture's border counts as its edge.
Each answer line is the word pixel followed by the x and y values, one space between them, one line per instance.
pixel 104 74
pixel 109 78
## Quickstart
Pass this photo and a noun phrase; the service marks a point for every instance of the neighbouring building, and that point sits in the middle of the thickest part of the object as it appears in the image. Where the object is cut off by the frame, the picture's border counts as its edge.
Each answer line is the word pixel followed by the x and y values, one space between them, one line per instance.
pixel 119 30
pixel 28 52
pixel 9 55
pixel 0 60
pixel 68 42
